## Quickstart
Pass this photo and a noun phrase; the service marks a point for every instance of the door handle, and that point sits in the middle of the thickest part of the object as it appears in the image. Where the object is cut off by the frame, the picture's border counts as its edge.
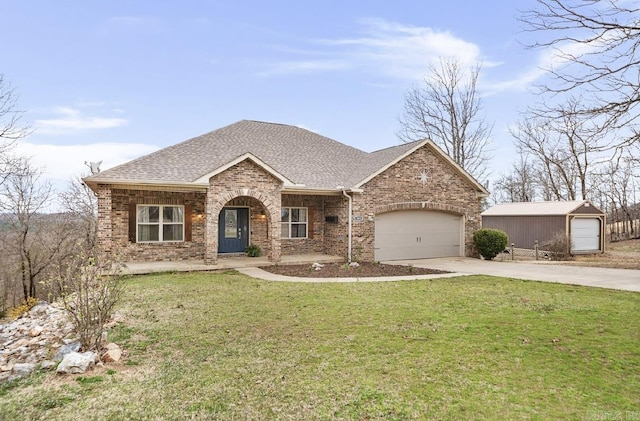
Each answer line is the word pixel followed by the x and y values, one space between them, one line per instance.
pixel 239 233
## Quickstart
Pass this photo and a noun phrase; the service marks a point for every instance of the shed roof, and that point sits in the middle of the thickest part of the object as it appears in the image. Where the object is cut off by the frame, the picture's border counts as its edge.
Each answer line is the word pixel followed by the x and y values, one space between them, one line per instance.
pixel 537 208
pixel 299 157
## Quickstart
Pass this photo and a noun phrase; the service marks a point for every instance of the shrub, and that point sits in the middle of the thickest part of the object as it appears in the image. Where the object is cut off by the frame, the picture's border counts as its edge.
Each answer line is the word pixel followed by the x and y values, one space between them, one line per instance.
pixel 490 242
pixel 89 289
pixel 18 311
pixel 253 250
pixel 558 247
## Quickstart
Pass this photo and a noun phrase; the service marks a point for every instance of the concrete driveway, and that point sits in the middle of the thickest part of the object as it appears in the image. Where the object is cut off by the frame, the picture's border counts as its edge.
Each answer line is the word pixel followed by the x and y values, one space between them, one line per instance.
pixel 622 279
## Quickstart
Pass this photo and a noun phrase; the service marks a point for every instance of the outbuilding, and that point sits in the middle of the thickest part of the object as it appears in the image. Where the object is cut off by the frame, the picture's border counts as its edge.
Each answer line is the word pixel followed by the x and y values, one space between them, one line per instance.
pixel 528 222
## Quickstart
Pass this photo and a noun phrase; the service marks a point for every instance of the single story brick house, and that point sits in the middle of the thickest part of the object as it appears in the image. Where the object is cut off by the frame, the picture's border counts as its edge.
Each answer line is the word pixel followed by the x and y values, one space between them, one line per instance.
pixel 289 191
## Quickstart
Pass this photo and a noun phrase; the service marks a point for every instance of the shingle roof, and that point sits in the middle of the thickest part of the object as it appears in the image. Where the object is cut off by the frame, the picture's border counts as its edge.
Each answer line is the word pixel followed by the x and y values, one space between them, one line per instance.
pixel 303 157
pixel 535 208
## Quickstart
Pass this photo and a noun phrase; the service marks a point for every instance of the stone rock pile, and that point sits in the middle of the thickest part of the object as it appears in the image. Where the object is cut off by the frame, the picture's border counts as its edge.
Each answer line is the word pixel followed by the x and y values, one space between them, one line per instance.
pixel 43 338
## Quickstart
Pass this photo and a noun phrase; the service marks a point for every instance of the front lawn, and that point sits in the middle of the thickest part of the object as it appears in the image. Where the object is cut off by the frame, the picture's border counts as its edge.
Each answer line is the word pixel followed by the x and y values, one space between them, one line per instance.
pixel 226 346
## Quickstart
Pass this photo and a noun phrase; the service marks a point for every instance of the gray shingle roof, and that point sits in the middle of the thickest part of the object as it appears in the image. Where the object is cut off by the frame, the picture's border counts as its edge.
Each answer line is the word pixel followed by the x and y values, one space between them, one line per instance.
pixel 303 157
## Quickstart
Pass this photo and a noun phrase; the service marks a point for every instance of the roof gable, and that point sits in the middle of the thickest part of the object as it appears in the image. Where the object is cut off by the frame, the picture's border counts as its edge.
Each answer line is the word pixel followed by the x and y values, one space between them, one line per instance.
pixel 248 156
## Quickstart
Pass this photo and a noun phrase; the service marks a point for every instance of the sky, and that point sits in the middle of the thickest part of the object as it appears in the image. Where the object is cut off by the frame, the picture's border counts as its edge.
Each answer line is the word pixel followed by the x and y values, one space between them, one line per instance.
pixel 113 80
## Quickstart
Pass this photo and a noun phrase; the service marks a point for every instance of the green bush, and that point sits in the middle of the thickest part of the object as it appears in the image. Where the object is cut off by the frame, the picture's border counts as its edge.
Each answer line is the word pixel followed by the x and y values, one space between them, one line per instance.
pixel 490 242
pixel 253 250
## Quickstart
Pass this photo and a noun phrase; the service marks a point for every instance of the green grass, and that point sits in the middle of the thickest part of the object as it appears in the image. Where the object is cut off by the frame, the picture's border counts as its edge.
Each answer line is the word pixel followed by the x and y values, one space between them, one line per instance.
pixel 226 346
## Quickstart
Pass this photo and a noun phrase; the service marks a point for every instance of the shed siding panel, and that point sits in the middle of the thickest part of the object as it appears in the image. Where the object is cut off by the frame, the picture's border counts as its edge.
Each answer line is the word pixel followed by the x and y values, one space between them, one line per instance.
pixel 523 231
pixel 587 210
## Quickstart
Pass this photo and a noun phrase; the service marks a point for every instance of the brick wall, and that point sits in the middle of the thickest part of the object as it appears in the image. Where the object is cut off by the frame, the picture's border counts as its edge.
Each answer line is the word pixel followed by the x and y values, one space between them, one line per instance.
pixel 399 187
pixel 113 205
pixel 245 179
pixel 247 184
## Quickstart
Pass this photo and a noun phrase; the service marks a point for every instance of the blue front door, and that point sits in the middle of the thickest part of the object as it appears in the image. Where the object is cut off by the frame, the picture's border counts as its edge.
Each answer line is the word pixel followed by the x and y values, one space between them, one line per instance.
pixel 233 230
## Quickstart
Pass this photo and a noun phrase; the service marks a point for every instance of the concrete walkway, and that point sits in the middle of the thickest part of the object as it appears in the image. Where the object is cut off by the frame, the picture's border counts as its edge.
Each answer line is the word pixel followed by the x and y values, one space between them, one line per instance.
pixel 237 262
pixel 622 279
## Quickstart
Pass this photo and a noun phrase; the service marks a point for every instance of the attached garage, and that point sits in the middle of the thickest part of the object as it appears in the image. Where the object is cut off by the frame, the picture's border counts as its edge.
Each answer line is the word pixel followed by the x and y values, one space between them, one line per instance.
pixel 418 234
pixel 528 222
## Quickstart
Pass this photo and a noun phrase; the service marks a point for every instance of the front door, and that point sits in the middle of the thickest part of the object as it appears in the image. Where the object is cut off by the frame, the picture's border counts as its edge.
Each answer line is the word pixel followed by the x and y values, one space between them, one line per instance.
pixel 233 227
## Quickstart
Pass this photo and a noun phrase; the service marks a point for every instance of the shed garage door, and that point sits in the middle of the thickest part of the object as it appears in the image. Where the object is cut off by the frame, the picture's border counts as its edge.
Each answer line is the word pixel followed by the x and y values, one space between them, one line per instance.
pixel 417 234
pixel 585 234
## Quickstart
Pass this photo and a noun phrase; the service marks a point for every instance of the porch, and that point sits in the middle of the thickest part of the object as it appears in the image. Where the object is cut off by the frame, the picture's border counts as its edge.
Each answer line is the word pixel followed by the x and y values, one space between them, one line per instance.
pixel 141 268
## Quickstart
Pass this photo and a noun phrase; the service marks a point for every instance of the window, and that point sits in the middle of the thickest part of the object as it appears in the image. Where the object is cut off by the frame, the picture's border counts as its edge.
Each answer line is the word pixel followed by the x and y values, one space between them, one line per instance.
pixel 293 223
pixel 158 223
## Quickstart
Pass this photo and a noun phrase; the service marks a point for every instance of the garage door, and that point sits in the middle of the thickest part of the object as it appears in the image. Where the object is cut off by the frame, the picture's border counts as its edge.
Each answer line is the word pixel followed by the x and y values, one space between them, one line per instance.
pixel 585 234
pixel 417 234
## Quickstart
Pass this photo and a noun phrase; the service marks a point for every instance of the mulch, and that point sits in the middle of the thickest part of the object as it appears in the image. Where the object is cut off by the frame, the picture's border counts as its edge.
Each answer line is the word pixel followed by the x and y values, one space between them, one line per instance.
pixel 342 270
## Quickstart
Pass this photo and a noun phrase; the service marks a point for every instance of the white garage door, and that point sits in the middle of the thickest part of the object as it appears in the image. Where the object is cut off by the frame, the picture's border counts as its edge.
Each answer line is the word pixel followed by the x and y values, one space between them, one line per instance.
pixel 417 234
pixel 585 234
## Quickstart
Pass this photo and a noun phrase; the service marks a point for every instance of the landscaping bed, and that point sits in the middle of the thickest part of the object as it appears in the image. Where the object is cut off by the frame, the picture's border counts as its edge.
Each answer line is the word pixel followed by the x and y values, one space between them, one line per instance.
pixel 343 270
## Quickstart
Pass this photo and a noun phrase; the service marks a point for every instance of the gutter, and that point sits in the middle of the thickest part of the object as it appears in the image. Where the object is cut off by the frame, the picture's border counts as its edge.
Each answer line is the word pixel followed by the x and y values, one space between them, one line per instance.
pixel 344 192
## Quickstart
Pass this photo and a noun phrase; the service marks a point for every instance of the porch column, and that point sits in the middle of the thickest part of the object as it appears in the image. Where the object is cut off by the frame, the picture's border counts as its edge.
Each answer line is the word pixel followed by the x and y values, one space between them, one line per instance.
pixel 274 234
pixel 211 229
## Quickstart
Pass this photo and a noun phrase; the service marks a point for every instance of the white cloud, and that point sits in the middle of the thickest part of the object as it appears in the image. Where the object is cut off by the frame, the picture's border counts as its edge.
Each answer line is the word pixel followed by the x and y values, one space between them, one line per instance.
pixel 70 120
pixel 394 49
pixel 62 162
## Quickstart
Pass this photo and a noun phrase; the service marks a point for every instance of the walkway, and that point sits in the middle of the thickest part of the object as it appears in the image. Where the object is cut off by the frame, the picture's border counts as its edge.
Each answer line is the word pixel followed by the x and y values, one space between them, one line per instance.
pixel 141 268
pixel 621 279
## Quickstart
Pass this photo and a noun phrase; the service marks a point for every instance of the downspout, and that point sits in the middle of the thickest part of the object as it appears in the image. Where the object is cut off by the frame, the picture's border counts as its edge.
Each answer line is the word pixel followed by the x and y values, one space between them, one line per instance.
pixel 344 192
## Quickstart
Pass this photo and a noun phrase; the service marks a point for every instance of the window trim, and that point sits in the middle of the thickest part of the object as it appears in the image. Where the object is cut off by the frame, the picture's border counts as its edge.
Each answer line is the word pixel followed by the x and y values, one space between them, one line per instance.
pixel 290 223
pixel 160 223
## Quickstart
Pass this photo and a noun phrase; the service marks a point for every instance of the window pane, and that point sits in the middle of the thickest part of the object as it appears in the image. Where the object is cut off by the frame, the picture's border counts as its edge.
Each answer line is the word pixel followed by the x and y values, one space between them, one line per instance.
pixel 284 215
pixel 148 233
pixel 303 215
pixel 298 230
pixel 172 214
pixel 284 231
pixel 295 215
pixel 172 232
pixel 230 223
pixel 148 214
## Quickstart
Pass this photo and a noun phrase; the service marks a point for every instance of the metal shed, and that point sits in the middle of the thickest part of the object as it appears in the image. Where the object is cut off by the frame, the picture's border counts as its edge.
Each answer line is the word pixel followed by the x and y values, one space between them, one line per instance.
pixel 528 222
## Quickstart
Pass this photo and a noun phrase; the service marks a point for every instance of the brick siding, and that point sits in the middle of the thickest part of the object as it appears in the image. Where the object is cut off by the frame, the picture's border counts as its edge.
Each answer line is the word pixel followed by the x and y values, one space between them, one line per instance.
pixel 246 184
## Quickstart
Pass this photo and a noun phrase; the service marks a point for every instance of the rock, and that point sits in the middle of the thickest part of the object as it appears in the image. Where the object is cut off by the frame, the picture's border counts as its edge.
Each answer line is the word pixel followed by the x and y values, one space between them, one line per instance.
pixel 39 309
pixel 354 264
pixel 34 338
pixel 317 266
pixel 76 363
pixel 66 349
pixel 22 370
pixel 35 331
pixel 48 365
pixel 113 353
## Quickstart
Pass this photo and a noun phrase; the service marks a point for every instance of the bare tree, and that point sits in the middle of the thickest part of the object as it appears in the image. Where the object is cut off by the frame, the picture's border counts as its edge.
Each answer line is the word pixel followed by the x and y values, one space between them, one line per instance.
pixel 36 239
pixel 11 128
pixel 521 185
pixel 447 109
pixel 596 46
pixel 79 202
pixel 566 149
